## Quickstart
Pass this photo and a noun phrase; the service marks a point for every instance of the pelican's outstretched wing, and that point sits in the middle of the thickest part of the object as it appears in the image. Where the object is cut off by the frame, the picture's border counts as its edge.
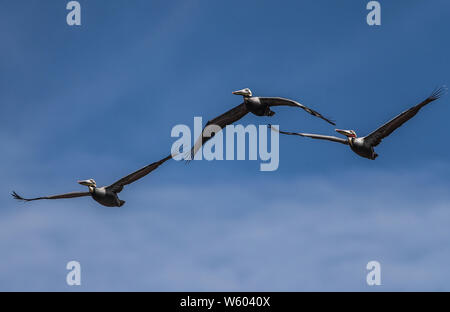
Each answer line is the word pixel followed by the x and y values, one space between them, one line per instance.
pixel 118 185
pixel 277 101
pixel 313 136
pixel 375 137
pixel 68 195
pixel 222 121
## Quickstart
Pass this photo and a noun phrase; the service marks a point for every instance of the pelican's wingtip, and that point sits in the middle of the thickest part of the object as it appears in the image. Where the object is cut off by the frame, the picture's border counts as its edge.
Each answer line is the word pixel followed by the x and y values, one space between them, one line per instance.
pixel 17 196
pixel 439 92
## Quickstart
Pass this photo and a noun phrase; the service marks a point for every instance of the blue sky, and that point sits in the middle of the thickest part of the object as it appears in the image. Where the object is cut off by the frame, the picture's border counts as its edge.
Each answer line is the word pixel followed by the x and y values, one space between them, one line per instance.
pixel 100 101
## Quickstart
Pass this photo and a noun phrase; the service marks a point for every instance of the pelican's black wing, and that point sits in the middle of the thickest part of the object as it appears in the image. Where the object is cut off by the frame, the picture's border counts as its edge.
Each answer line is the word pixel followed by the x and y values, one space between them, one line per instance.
pixel 378 135
pixel 117 186
pixel 278 101
pixel 222 121
pixel 313 136
pixel 68 195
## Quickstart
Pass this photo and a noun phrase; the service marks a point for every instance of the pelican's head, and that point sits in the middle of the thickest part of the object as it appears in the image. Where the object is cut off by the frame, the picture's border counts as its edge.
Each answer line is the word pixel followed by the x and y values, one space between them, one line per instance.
pixel 244 92
pixel 347 133
pixel 90 183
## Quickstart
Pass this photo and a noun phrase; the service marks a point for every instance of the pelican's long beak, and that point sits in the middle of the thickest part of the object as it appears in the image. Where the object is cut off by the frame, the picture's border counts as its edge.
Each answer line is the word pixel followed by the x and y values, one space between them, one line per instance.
pixel 239 92
pixel 243 92
pixel 347 133
pixel 86 182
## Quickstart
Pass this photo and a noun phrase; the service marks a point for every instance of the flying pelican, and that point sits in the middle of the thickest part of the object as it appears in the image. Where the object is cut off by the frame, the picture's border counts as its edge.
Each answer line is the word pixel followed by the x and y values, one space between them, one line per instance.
pixel 106 195
pixel 260 106
pixel 363 146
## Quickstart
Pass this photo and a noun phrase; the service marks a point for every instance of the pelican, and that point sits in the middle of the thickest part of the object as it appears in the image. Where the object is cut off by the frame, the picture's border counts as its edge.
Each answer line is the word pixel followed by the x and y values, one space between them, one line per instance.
pixel 106 195
pixel 260 106
pixel 364 146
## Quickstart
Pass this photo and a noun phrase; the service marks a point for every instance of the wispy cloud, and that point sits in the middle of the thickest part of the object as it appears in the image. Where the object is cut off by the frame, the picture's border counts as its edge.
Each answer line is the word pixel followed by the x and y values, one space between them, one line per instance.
pixel 309 233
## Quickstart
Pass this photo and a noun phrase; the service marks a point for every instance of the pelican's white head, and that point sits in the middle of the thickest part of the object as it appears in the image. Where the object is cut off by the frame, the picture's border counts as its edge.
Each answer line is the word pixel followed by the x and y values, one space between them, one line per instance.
pixel 90 183
pixel 347 133
pixel 244 92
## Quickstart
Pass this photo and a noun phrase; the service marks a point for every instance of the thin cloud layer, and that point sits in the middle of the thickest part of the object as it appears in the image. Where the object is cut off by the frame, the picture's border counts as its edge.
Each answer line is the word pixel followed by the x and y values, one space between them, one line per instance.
pixel 308 233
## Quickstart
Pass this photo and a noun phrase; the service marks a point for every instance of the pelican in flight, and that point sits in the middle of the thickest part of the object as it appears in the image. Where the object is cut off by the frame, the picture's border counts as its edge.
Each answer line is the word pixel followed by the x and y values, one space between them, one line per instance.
pixel 363 146
pixel 260 106
pixel 106 195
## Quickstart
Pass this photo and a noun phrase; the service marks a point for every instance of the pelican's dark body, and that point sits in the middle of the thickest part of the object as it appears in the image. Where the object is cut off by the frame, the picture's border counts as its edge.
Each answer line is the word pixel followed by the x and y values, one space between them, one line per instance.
pixel 360 147
pixel 257 106
pixel 106 198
